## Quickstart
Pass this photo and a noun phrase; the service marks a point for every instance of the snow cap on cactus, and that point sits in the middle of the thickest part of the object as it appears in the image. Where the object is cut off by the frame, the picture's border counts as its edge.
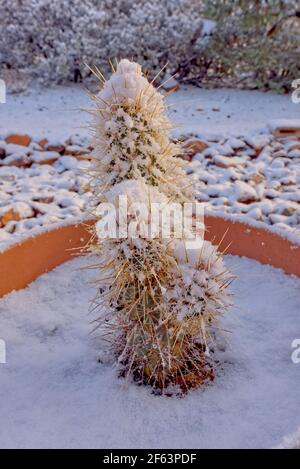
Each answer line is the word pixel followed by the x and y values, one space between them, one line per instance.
pixel 132 136
pixel 128 84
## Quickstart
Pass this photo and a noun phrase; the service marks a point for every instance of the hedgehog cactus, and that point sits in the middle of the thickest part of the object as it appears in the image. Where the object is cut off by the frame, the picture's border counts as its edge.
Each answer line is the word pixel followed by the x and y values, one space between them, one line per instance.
pixel 160 296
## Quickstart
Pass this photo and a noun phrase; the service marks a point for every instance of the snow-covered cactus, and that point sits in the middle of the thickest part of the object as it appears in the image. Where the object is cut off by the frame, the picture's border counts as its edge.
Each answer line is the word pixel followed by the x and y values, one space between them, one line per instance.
pixel 132 135
pixel 162 287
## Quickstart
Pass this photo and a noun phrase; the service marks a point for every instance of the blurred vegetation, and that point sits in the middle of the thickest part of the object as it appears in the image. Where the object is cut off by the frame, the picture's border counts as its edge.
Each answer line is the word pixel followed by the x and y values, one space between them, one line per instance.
pixel 241 53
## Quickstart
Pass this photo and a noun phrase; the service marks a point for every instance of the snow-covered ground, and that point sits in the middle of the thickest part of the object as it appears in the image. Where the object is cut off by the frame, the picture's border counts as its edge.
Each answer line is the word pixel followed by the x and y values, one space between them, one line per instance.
pixel 255 177
pixel 55 112
pixel 36 197
pixel 55 393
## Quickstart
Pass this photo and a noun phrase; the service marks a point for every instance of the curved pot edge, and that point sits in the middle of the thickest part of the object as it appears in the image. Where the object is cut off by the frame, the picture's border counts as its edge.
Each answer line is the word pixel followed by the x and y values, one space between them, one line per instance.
pixel 22 263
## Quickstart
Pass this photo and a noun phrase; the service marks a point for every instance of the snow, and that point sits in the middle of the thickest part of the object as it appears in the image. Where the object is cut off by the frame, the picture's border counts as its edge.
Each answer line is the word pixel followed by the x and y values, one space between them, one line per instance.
pixel 290 441
pixel 126 83
pixel 42 195
pixel 55 113
pixel 55 393
pixel 284 123
pixel 41 156
pixel 243 174
pixel 244 191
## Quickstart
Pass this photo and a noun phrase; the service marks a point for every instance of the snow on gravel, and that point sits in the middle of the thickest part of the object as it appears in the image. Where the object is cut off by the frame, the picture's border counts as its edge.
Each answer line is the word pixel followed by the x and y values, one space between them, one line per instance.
pixel 55 112
pixel 252 179
pixel 39 196
pixel 55 393
pixel 243 171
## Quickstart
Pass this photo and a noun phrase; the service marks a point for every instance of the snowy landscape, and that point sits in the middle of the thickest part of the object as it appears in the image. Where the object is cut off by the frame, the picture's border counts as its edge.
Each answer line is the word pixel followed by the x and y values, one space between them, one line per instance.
pixel 235 167
pixel 234 146
pixel 242 168
pixel 76 399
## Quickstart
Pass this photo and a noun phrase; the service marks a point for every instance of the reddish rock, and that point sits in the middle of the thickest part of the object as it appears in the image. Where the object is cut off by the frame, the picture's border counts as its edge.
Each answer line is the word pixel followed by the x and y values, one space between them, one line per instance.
pixel 76 150
pixel 17 212
pixel 9 215
pixel 193 147
pixel 2 153
pixel 43 142
pixel 58 148
pixel 21 162
pixel 227 161
pixel 47 199
pixel 86 187
pixel 18 139
pixel 44 157
pixel 257 178
pixel 171 89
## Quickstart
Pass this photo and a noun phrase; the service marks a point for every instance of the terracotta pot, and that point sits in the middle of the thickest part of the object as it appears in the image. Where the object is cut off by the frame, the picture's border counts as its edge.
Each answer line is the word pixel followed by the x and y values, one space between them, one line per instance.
pixel 22 263
pixel 260 244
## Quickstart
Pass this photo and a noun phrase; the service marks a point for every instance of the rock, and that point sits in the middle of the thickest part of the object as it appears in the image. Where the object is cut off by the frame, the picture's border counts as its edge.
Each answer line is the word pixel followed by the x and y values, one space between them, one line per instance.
pixel 293 145
pixel 17 139
pixel 57 148
pixel 12 148
pixel 207 177
pixel 288 211
pixel 288 180
pixel 193 147
pixel 19 161
pixel 210 152
pixel 2 153
pixel 76 150
pixel 47 199
pixel 275 218
pixel 17 212
pixel 44 157
pixel 224 149
pixel 226 161
pixel 68 162
pixel 294 153
pixel 285 127
pixel 279 162
pixel 35 146
pixel 257 178
pixel 280 154
pixel 236 143
pixel 255 213
pixel 244 192
pixel 258 142
pixel 10 227
pixel 170 84
pixel 272 194
pixel 43 142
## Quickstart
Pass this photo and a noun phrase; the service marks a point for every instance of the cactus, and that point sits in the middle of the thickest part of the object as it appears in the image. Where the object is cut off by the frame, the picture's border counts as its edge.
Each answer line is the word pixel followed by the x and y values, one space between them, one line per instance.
pixel 131 135
pixel 160 297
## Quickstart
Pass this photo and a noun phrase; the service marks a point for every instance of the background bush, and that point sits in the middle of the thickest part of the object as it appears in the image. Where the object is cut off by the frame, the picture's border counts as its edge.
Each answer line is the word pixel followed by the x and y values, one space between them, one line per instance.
pixel 48 39
pixel 241 53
